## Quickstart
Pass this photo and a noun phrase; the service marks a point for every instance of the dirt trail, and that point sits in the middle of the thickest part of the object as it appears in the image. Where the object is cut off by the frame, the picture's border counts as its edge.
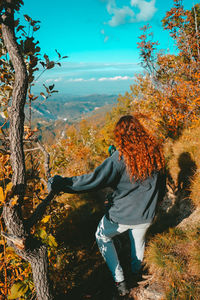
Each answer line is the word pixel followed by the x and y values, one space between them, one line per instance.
pixel 92 279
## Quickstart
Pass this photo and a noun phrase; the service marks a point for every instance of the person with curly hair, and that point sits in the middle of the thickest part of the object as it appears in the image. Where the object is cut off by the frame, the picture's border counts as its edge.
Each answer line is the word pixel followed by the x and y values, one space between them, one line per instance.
pixel 135 172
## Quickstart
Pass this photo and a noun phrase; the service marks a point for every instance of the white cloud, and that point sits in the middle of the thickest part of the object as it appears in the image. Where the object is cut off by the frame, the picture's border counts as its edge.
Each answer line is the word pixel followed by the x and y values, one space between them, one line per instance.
pixel 147 9
pixel 76 79
pixel 119 15
pixel 115 78
pixel 80 79
pixel 58 79
pixel 54 80
pixel 126 14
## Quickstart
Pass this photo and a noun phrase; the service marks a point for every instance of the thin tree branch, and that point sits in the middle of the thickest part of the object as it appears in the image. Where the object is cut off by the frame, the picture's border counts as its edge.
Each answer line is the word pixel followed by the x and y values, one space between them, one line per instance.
pixel 4 152
pixel 33 149
pixel 46 159
pixel 39 211
pixel 41 208
pixel 197 31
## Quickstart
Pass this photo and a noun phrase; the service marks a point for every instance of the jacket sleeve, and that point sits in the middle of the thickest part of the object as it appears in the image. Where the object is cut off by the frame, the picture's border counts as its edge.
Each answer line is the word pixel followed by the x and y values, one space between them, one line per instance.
pixel 103 176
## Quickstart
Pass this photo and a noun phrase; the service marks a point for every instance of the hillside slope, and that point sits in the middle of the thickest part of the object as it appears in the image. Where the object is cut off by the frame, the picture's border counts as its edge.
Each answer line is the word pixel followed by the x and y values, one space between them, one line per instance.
pixel 171 269
pixel 173 250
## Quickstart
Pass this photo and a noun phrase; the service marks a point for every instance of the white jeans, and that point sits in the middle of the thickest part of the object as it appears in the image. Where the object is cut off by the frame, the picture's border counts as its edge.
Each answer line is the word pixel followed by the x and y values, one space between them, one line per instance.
pixel 106 230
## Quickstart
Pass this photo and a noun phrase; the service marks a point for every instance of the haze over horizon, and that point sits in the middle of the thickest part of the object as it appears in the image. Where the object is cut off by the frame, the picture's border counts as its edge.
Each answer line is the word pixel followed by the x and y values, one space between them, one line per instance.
pixel 100 37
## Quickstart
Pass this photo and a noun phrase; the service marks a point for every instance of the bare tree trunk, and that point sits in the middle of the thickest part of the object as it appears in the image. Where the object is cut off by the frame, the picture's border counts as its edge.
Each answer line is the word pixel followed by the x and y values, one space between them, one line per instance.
pixel 16 115
pixel 18 235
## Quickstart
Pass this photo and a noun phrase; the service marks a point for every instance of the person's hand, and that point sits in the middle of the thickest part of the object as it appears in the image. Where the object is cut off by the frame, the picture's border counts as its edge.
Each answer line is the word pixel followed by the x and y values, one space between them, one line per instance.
pixel 55 184
pixel 109 200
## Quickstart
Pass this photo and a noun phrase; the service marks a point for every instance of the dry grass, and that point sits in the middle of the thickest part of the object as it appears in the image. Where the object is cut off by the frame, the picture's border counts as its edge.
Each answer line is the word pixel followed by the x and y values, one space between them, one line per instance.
pixel 174 256
pixel 183 158
pixel 175 259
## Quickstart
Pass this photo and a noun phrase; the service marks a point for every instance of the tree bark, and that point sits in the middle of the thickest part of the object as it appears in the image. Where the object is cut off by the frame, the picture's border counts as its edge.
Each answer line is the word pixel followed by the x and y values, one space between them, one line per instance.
pixel 16 114
pixel 24 244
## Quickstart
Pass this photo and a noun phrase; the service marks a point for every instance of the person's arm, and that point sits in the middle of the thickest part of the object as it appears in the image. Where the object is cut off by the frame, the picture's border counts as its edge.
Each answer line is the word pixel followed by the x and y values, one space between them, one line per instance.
pixel 103 176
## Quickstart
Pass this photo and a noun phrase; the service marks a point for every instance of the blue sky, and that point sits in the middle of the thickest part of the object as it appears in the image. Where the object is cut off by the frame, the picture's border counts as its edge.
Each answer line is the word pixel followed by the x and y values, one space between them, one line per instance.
pixel 100 37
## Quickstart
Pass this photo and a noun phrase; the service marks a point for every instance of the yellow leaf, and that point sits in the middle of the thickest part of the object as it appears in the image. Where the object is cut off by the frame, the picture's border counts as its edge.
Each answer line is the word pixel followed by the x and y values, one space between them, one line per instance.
pixel 9 187
pixel 17 290
pixel 46 219
pixel 14 200
pixel 52 241
pixel 43 234
pixel 5 114
pixel 2 197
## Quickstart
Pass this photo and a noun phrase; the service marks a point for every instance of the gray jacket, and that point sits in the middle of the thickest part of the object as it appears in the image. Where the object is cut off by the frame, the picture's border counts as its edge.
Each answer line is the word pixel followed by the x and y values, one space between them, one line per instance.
pixel 132 202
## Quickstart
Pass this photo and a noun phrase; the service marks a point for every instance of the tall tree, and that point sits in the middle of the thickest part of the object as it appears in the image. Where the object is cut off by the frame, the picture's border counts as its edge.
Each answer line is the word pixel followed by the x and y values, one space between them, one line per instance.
pixel 18 236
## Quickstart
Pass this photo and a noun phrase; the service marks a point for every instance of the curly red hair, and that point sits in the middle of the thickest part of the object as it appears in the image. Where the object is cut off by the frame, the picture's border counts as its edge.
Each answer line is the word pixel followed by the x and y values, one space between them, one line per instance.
pixel 142 153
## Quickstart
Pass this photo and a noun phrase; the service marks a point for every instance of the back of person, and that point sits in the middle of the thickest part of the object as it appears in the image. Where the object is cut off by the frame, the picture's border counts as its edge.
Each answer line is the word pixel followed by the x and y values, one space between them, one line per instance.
pixel 134 202
pixel 135 172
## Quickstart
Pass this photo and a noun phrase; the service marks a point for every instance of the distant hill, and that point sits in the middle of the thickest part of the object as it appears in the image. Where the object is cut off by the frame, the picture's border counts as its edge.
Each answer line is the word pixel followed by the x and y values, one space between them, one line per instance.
pixel 69 108
pixel 51 116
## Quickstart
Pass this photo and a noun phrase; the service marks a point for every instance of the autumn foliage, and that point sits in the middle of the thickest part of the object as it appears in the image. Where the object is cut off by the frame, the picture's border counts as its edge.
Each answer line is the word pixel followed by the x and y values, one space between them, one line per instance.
pixel 169 90
pixel 166 98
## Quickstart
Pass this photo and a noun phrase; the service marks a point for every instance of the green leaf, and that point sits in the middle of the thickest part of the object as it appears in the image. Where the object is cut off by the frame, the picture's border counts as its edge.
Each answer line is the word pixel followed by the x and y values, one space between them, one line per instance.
pixel 52 241
pixel 17 290
pixel 43 234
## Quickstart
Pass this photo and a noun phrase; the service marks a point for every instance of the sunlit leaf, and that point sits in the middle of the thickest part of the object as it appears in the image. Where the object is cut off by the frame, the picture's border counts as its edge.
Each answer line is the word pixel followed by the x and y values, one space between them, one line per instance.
pixel 27 18
pixel 18 290
pixel 52 241
pixel 2 197
pixel 43 95
pixel 9 187
pixel 43 234
pixel 14 200
pixel 46 219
